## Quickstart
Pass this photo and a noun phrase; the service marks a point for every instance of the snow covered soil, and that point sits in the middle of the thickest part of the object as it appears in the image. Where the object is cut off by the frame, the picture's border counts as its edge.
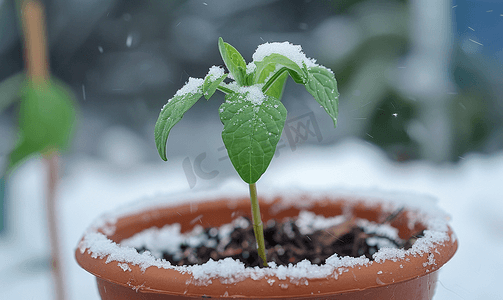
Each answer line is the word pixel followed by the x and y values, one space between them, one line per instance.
pixel 467 191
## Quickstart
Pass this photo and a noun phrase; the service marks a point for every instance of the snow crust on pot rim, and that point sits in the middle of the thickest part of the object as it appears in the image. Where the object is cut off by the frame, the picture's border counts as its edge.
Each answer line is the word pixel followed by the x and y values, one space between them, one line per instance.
pixel 230 271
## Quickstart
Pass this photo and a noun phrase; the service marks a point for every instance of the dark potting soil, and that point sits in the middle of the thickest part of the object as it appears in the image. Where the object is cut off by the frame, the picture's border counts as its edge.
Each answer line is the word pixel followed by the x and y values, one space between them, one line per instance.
pixel 286 245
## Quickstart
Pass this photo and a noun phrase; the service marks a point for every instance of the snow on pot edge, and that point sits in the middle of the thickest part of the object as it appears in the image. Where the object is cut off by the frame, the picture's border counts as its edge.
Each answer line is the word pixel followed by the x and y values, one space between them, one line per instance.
pixel 230 271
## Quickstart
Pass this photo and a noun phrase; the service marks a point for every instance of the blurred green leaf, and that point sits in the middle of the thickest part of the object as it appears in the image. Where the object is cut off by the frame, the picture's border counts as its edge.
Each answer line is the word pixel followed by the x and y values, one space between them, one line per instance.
pixel 9 89
pixel 46 120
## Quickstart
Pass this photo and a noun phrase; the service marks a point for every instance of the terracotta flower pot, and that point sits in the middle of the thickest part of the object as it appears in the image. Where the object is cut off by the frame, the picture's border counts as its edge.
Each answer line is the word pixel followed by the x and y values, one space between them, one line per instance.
pixel 407 275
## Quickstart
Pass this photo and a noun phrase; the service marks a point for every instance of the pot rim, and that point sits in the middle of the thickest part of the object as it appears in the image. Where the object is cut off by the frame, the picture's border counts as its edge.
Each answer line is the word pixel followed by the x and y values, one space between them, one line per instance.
pixel 144 273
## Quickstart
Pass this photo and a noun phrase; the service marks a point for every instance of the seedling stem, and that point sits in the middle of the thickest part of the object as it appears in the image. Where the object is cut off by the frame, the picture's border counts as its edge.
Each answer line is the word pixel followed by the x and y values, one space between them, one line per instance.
pixel 258 226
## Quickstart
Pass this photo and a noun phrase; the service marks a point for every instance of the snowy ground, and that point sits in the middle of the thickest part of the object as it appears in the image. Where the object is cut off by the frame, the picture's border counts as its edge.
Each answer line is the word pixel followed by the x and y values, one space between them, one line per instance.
pixel 467 190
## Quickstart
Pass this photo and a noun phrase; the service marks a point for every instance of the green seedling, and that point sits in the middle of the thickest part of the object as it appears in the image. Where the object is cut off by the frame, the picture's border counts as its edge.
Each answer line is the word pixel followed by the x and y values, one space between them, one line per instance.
pixel 252 114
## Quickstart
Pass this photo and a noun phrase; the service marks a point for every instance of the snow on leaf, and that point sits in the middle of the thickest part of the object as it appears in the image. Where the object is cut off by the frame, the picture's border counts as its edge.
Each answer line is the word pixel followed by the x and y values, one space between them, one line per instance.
pixel 292 52
pixel 192 86
pixel 253 93
pixel 212 80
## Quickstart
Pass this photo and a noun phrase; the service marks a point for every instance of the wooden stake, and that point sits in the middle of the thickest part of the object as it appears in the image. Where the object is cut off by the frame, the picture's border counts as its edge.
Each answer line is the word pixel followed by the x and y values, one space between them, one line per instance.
pixel 37 66
pixel 35 41
pixel 51 161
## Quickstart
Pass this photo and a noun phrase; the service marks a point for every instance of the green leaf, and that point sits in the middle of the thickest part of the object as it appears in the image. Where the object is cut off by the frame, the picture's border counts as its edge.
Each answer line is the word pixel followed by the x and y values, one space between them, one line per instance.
pixel 46 120
pixel 274 62
pixel 250 78
pixel 174 110
pixel 322 85
pixel 271 69
pixel 276 89
pixel 233 60
pixel 10 88
pixel 211 83
pixel 251 133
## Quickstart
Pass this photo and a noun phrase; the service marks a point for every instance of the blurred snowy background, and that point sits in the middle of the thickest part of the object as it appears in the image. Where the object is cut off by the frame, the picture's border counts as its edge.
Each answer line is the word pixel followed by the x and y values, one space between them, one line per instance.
pixel 421 109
